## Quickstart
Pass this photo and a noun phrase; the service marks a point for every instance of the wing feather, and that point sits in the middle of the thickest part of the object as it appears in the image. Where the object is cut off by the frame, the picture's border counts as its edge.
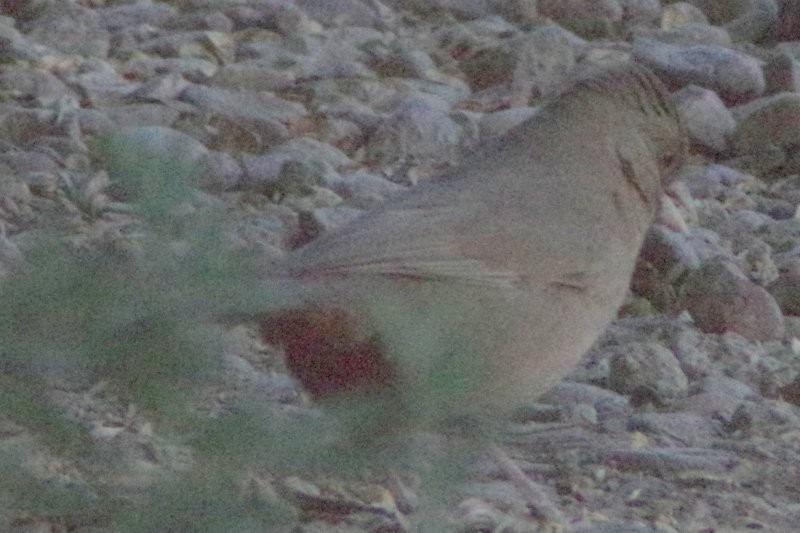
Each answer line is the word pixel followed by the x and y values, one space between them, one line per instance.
pixel 404 242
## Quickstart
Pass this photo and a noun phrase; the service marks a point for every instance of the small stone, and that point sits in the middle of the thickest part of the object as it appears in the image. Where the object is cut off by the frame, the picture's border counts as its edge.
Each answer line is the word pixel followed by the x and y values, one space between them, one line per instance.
pixel 587 18
pixel 680 14
pixel 721 298
pixel 681 429
pixel 756 262
pixel 736 77
pixel 747 21
pixel 767 121
pixel 782 73
pixel 34 86
pixel 786 289
pixel 340 12
pixel 689 34
pixel 417 131
pixel 69 28
pixel 646 371
pixel 157 14
pixel 788 27
pixel 713 181
pixel 707 120
pixel 324 219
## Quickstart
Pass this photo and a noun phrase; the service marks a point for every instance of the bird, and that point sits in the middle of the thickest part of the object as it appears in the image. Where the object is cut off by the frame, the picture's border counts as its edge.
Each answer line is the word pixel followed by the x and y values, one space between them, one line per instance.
pixel 480 289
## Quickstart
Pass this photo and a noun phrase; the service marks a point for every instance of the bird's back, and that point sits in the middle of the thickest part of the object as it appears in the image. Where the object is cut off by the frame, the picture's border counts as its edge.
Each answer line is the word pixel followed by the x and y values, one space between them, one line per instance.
pixel 516 259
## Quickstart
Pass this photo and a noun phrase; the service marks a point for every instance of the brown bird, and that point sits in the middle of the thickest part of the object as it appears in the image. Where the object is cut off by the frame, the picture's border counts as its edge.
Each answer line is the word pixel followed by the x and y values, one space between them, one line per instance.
pixel 479 290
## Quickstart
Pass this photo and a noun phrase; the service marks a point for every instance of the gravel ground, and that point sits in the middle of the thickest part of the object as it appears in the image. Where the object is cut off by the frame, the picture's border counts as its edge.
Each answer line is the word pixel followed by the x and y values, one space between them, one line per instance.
pixel 273 121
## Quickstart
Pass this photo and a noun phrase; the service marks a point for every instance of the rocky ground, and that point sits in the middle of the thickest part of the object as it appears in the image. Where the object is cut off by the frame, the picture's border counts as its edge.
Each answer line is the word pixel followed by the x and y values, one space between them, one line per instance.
pixel 272 121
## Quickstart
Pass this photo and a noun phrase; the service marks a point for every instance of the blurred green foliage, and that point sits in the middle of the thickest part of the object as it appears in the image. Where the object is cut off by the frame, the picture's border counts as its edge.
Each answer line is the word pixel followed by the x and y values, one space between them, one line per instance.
pixel 144 322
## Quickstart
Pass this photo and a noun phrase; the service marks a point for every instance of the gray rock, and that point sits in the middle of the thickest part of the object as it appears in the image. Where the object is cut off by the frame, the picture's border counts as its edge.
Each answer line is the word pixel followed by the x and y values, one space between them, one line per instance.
pixel 788 27
pixel 26 127
pixel 768 120
pixel 402 59
pixel 221 171
pixel 101 84
pixel 348 108
pixel 163 89
pixel 252 76
pixel 361 189
pixel 743 225
pixel 462 9
pixel 692 33
pixel 708 122
pixel 157 14
pixel 746 20
pixel 689 345
pixel 194 69
pixel 520 12
pixel 203 44
pixel 490 27
pixel 792 326
pixel 679 429
pixel 640 11
pixel 647 371
pixel 280 174
pixel 542 59
pixel 755 261
pixel 713 181
pixel 782 73
pixel 721 298
pixel 790 166
pixel 783 235
pixel 587 18
pixel 252 107
pixel 667 461
pixel 144 114
pixel 69 28
pixel 736 77
pixel 680 195
pixel 213 21
pixel 787 187
pixel 665 256
pixel 91 121
pixel 341 133
pixel 778 208
pixel 786 289
pixel 488 67
pixel 333 61
pixel 418 132
pixel 282 17
pixel 272 230
pixel 25 162
pixel 35 87
pixel 681 13
pixel 606 403
pixel 318 221
pixel 340 12
pixel 318 158
pixel 729 387
pixel 16 47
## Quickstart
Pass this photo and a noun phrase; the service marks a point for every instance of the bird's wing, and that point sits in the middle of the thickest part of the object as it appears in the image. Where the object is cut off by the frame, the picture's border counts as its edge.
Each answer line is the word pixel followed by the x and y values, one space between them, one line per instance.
pixel 404 241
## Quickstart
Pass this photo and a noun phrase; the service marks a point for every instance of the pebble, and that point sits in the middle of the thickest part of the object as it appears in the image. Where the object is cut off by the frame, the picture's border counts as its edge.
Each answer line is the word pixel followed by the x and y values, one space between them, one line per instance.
pixel 721 298
pixel 736 77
